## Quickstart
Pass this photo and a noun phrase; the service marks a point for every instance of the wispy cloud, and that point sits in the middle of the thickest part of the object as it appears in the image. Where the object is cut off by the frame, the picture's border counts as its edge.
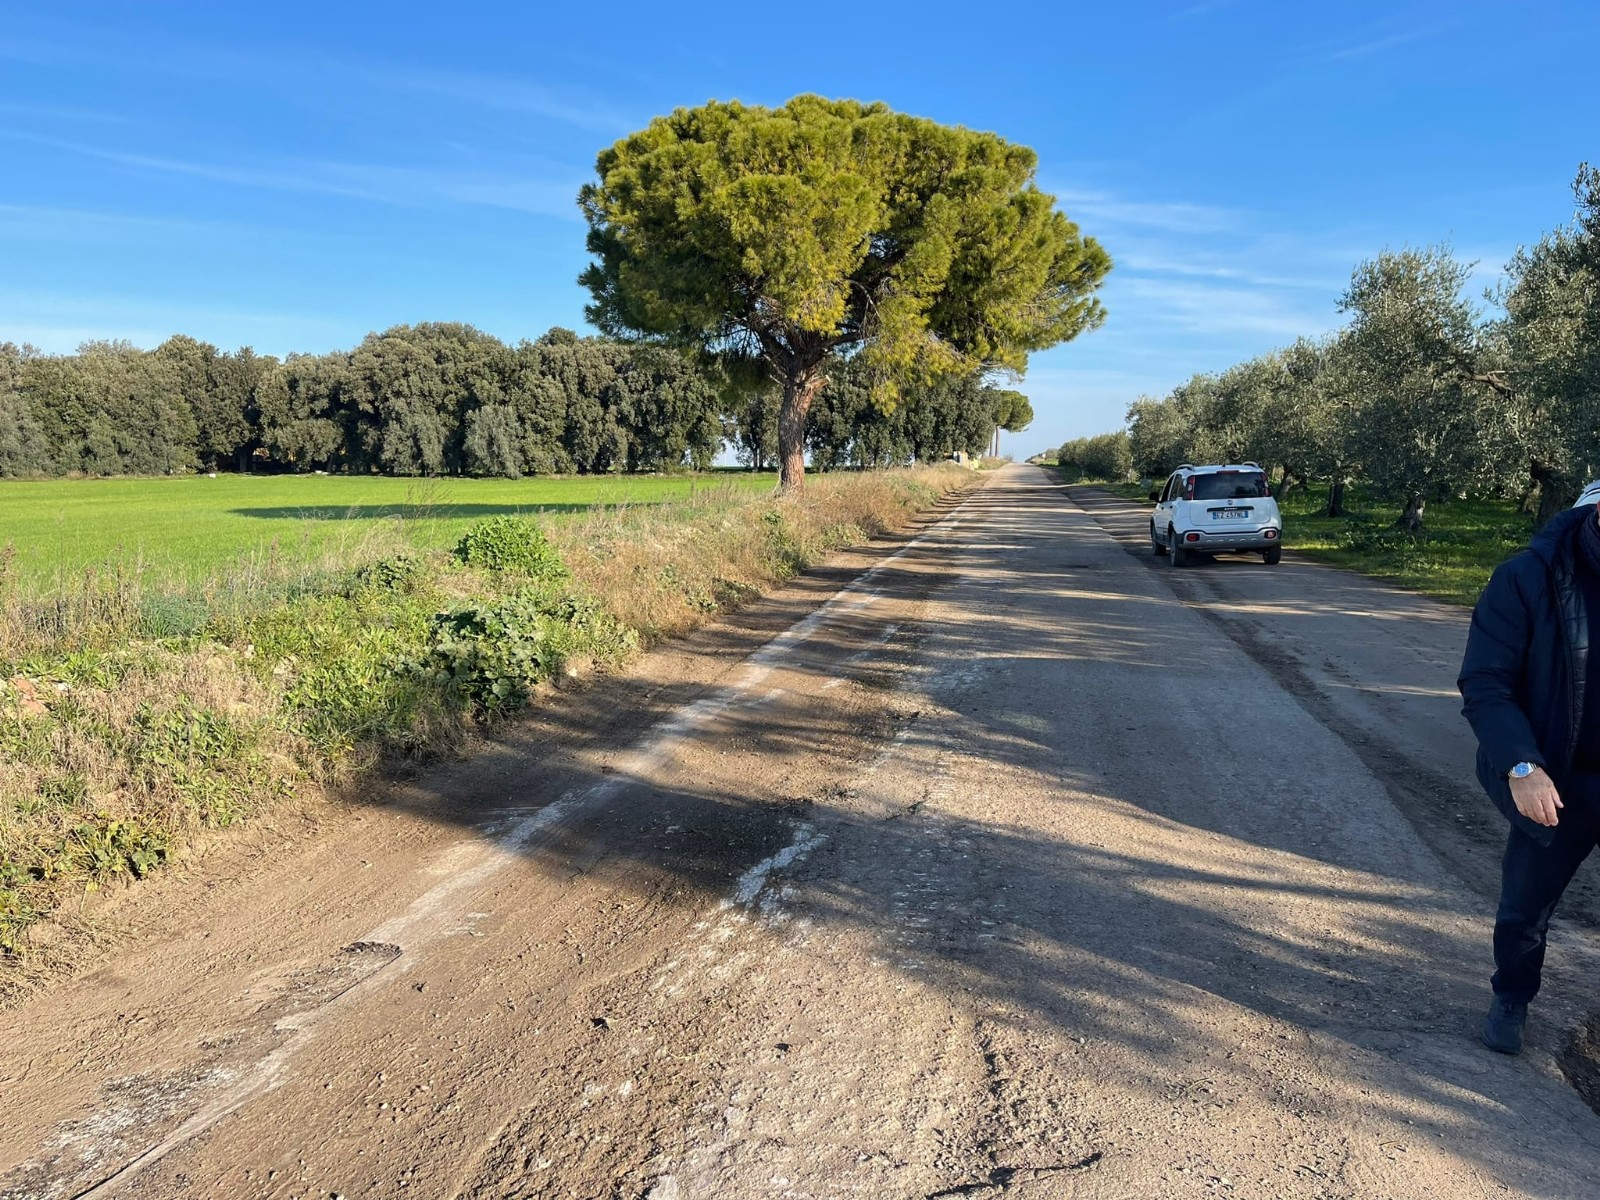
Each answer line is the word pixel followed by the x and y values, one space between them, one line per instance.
pixel 1378 45
pixel 1205 7
pixel 57 112
pixel 59 323
pixel 36 225
pixel 498 92
pixel 1196 287
pixel 1214 310
pixel 307 77
pixel 542 194
pixel 1150 258
pixel 1171 216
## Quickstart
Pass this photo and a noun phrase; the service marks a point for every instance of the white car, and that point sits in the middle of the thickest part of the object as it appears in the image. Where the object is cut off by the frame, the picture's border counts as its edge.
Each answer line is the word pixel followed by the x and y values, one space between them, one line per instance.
pixel 1591 495
pixel 1216 509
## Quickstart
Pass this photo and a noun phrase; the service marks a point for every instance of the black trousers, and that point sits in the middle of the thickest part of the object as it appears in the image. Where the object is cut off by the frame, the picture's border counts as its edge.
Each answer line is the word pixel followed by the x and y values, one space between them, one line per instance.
pixel 1532 879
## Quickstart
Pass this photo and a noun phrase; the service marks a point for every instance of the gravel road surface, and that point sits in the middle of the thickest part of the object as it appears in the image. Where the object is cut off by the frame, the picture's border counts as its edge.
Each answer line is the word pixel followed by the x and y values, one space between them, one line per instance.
pixel 1021 866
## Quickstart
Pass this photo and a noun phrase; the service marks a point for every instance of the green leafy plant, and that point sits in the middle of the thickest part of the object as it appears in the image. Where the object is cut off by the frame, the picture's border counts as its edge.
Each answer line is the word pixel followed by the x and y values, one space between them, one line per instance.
pixel 512 545
pixel 493 653
pixel 396 574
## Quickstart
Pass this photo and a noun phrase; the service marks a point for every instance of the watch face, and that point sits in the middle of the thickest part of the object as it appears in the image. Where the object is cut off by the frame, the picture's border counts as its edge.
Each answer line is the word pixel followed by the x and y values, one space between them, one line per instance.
pixel 1522 770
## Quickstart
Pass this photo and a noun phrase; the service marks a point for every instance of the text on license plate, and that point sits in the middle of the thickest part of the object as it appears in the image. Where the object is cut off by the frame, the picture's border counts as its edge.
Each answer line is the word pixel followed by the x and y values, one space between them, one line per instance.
pixel 1229 514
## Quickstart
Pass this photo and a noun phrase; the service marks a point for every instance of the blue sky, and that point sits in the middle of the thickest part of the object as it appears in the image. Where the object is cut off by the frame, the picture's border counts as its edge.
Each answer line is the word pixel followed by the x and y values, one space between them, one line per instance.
pixel 290 176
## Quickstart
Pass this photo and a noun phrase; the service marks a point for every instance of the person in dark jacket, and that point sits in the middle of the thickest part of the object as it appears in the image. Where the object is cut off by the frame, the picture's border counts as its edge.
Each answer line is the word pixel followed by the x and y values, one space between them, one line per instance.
pixel 1524 681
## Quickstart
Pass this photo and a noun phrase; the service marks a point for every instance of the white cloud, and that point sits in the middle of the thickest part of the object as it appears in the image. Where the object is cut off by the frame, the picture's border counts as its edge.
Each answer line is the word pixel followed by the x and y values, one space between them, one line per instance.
pixel 1212 310
pixel 1379 45
pixel 541 194
pixel 57 112
pixel 308 76
pixel 59 323
pixel 1201 9
pixel 1195 287
pixel 1171 216
pixel 45 221
pixel 494 91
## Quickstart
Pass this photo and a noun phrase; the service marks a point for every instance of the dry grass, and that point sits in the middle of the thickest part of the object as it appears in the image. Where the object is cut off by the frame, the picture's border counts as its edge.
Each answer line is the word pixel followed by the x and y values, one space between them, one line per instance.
pixel 664 571
pixel 133 717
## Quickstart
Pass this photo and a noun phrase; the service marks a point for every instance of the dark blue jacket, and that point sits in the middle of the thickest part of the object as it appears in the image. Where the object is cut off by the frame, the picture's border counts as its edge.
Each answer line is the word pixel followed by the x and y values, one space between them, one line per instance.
pixel 1527 658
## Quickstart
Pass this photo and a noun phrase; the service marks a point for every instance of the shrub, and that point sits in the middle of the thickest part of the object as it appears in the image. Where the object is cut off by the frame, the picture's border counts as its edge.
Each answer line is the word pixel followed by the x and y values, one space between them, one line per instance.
pixel 396 574
pixel 513 545
pixel 493 653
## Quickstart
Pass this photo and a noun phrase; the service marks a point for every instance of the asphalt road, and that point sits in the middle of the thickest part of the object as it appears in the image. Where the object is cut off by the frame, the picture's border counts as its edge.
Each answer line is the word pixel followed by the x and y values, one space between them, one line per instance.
pixel 1022 866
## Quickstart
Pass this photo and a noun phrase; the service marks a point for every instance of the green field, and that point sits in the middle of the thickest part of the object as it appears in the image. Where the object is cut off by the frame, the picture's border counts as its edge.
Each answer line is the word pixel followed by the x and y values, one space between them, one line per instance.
pixel 187 528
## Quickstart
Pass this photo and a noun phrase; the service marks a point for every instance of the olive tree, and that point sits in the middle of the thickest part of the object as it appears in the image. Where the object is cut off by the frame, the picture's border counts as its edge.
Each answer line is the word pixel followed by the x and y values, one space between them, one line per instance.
pixel 1159 436
pixel 786 238
pixel 1412 348
pixel 1547 349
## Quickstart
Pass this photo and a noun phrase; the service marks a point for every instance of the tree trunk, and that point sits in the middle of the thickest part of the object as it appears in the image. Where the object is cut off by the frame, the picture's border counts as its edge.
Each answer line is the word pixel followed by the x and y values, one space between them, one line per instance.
pixel 798 388
pixel 1411 519
pixel 1555 493
pixel 1335 499
pixel 1284 484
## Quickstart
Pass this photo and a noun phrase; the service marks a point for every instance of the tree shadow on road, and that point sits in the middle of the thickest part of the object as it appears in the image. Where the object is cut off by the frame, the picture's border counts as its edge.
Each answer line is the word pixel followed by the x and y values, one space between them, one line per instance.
pixel 1147 897
pixel 1283 889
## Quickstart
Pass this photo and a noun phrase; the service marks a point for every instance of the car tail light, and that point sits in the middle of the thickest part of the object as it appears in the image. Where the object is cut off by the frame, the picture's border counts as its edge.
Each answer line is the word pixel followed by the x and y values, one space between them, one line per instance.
pixel 1270 534
pixel 1191 537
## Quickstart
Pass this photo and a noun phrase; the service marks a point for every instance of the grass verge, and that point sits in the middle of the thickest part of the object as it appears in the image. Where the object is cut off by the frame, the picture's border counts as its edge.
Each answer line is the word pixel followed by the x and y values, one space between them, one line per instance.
pixel 133 716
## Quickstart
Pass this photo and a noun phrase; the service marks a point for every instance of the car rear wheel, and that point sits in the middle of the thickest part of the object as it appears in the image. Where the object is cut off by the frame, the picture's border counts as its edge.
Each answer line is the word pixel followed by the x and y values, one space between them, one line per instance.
pixel 1179 557
pixel 1271 557
pixel 1156 547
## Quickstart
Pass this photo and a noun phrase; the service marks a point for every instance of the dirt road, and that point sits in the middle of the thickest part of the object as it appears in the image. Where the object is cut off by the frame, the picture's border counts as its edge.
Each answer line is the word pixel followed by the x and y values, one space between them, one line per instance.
pixel 1020 867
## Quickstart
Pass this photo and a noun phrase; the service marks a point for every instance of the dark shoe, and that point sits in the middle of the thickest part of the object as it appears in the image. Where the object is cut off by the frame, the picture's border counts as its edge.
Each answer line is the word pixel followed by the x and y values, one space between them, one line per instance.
pixel 1502 1027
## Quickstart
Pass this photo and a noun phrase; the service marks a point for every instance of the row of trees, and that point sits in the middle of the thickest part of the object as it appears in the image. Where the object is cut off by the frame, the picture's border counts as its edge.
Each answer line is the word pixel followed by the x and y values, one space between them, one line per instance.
pixel 1423 394
pixel 415 400
pixel 441 399
pixel 1106 456
pixel 846 426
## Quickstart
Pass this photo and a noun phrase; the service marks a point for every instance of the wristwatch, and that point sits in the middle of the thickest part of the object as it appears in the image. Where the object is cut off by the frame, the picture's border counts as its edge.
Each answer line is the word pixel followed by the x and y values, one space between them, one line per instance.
pixel 1522 770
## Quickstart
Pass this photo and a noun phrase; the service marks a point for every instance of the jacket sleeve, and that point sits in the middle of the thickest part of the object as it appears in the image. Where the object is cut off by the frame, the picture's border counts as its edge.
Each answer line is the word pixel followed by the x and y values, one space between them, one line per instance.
pixel 1497 650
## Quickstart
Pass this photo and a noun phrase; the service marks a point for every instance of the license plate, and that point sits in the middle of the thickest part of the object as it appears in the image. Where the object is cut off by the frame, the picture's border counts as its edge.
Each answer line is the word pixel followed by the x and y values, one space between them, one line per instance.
pixel 1229 514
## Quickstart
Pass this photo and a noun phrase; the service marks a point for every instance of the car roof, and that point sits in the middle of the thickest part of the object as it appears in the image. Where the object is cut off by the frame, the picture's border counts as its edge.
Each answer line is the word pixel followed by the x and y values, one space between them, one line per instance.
pixel 1249 466
pixel 1590 495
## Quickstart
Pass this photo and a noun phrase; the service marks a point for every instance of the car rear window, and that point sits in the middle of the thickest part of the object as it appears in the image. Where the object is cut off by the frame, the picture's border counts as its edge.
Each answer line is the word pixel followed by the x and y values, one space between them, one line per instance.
pixel 1228 485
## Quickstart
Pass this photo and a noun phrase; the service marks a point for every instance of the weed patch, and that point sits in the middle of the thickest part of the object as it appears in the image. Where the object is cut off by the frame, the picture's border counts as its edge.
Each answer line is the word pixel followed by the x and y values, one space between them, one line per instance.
pixel 511 544
pixel 133 714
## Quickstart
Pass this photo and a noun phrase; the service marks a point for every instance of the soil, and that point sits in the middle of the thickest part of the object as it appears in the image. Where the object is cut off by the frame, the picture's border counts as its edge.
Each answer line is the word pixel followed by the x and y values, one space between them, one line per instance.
pixel 992 863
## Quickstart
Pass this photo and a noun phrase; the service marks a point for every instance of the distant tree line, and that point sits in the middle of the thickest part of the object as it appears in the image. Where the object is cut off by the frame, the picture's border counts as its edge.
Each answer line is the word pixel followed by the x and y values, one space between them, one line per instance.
pixel 847 426
pixel 447 399
pixel 1107 456
pixel 1422 395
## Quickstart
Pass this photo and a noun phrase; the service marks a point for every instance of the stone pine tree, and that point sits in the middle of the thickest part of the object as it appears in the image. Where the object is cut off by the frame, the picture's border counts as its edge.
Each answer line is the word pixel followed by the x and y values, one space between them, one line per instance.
pixel 782 239
pixel 1011 411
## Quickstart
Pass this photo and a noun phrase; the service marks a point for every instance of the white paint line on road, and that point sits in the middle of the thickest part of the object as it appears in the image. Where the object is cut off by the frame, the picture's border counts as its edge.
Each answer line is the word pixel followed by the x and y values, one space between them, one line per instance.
pixel 431 915
pixel 704 947
pixel 806 839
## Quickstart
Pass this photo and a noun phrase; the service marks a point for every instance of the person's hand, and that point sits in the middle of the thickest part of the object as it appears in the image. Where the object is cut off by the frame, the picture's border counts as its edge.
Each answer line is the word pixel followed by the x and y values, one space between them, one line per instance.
pixel 1536 797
